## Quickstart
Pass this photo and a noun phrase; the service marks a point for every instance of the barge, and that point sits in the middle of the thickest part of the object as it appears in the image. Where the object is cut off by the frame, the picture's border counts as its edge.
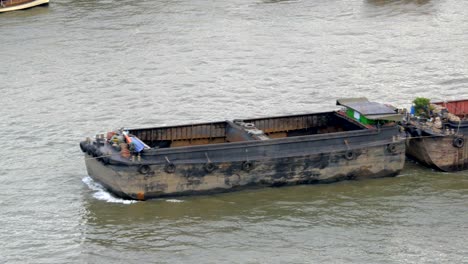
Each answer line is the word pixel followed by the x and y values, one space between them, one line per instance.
pixel 362 140
pixel 12 5
pixel 437 139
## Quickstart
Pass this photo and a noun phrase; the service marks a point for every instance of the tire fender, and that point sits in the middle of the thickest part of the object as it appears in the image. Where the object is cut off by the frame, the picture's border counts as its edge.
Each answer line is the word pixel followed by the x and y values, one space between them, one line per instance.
pixel 247 165
pixel 170 168
pixel 350 155
pixel 458 142
pixel 209 167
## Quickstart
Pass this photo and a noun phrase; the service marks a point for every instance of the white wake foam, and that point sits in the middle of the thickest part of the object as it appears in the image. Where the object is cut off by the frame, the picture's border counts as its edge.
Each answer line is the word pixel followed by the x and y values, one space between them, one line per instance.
pixel 101 194
pixel 174 201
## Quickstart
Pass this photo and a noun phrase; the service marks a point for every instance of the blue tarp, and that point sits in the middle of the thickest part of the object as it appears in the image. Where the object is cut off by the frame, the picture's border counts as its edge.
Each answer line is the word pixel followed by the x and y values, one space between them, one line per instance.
pixel 139 146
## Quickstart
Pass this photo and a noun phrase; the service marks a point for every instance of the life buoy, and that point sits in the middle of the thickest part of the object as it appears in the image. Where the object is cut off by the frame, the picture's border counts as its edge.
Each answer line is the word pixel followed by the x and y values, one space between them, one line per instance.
pixel 391 148
pixel 170 168
pixel 458 142
pixel 209 167
pixel 349 155
pixel 247 165
pixel 144 169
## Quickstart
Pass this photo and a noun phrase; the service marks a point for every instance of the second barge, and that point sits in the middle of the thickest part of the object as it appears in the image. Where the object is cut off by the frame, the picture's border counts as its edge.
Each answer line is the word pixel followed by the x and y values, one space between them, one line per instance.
pixel 438 140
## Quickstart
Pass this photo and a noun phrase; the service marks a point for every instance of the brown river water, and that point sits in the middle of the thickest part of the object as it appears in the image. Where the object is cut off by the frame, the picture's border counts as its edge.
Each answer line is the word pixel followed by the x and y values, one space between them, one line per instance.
pixel 78 67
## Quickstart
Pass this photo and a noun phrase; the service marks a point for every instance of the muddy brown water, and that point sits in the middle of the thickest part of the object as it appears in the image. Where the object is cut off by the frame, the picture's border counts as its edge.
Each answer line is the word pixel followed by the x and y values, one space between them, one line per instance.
pixel 76 68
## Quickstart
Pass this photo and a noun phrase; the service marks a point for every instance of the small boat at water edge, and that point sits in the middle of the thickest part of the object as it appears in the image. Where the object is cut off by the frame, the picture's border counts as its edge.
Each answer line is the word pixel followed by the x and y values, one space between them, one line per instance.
pixel 360 141
pixel 12 5
pixel 437 135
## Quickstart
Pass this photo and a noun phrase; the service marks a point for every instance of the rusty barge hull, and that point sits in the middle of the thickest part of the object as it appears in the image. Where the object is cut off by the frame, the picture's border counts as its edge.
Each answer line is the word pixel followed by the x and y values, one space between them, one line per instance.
pixel 227 156
pixel 442 149
pixel 439 152
pixel 444 152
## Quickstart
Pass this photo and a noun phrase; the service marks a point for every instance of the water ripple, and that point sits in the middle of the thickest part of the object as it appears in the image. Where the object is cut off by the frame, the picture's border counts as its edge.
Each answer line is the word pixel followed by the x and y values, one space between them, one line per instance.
pixel 77 68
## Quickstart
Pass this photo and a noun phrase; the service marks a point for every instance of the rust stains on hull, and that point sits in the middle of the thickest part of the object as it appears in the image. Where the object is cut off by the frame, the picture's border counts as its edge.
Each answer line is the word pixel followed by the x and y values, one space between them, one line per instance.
pixel 439 152
pixel 224 156
pixel 189 179
pixel 437 139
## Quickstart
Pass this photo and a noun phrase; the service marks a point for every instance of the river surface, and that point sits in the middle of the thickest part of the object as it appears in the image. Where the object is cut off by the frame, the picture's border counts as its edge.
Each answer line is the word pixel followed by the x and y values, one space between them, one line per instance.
pixel 76 68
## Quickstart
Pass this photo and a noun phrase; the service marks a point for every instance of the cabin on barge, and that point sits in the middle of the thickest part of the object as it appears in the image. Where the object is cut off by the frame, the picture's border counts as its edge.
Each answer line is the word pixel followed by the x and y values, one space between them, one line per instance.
pixel 224 156
pixel 438 138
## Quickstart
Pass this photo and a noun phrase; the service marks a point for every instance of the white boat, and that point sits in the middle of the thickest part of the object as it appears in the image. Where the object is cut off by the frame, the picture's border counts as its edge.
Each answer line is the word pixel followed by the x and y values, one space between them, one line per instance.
pixel 12 5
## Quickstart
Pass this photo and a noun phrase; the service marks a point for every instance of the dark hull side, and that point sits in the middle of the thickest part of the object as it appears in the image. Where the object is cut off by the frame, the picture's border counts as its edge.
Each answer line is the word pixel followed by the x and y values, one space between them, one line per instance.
pixel 444 149
pixel 234 166
pixel 439 152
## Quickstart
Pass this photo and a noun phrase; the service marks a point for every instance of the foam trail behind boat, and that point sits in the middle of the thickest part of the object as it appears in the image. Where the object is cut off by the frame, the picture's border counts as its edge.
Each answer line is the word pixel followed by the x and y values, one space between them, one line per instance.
pixel 174 201
pixel 101 193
